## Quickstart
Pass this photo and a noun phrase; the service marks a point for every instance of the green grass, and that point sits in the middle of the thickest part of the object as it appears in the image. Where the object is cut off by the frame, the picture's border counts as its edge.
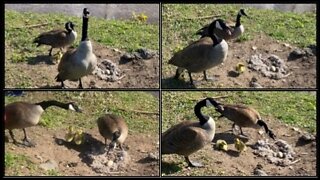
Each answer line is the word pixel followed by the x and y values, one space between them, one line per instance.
pixel 296 109
pixel 180 23
pixel 128 35
pixel 94 105
pixel 17 162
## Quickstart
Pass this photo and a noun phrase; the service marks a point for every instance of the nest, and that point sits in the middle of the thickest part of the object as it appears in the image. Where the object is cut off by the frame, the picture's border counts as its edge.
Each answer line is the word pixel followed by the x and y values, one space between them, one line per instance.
pixel 107 163
pixel 279 153
pixel 108 71
pixel 272 67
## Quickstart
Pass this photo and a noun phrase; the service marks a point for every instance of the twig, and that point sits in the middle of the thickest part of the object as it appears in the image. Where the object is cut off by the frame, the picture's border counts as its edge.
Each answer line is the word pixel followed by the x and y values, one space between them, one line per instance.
pixel 32 26
pixel 203 17
pixel 137 111
pixel 295 161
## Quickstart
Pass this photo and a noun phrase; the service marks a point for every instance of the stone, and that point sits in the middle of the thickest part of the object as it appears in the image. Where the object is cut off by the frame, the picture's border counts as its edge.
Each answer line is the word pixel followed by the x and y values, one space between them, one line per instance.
pixel 49 165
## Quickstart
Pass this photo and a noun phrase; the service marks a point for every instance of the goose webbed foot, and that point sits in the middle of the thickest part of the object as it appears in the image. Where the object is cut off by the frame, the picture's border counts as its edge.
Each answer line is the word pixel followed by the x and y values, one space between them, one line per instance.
pixel 192 163
pixel 193 83
pixel 207 78
pixel 28 143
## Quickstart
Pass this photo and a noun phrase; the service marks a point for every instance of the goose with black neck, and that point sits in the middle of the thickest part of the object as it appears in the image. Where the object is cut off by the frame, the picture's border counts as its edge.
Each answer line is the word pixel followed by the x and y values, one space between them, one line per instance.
pixel 202 54
pixel 189 137
pixel 21 115
pixel 236 30
pixel 80 62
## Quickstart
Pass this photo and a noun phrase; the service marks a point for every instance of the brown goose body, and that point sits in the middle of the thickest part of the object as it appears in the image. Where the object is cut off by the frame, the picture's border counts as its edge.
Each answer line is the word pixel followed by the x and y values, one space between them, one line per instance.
pixel 21 115
pixel 200 55
pixel 57 38
pixel 241 115
pixel 109 124
pixel 184 139
pixel 189 137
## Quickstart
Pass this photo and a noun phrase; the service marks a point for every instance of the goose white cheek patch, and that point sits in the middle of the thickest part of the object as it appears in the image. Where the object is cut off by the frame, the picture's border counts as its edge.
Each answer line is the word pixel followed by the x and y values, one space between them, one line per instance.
pixel 218 26
pixel 71 107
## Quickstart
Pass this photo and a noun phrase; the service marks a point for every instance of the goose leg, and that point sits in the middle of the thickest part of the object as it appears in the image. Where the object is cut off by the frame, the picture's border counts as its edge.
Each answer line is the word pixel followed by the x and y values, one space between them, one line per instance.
pixel 80 84
pixel 192 164
pixel 12 136
pixel 50 51
pixel 192 83
pixel 233 128
pixel 242 132
pixel 206 77
pixel 62 85
pixel 26 141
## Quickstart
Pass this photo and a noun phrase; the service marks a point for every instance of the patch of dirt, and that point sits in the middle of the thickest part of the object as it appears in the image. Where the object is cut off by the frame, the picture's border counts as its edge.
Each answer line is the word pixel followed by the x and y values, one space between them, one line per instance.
pixel 40 72
pixel 73 159
pixel 231 163
pixel 302 71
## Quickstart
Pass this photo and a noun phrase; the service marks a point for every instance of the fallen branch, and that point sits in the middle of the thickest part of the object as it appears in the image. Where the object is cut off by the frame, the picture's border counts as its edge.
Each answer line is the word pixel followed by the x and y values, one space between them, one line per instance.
pixel 137 111
pixel 32 26
pixel 203 17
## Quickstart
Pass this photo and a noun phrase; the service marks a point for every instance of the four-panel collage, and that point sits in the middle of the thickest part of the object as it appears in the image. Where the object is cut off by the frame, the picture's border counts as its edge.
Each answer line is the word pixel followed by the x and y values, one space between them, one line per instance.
pixel 160 90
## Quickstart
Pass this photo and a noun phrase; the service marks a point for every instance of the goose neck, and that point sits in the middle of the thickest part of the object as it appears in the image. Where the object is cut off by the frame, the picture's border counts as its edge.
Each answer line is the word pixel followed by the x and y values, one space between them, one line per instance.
pixel 238 23
pixel 198 113
pixel 45 104
pixel 84 28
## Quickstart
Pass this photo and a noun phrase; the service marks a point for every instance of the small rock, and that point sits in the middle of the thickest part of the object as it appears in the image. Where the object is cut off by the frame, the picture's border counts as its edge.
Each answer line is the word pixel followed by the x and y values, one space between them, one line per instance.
pixel 308 137
pixel 295 129
pixel 254 47
pixel 280 154
pixel 286 45
pixel 259 172
pixel 110 163
pixel 49 165
pixel 295 54
pixel 152 156
pixel 272 68
pixel 260 132
pixel 128 56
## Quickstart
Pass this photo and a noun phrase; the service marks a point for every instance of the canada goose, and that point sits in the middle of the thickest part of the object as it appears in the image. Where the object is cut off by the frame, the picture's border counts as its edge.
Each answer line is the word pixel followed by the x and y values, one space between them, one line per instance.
pixel 76 63
pixel 188 137
pixel 243 116
pixel 236 30
pixel 203 54
pixel 239 145
pixel 20 115
pixel 114 128
pixel 57 38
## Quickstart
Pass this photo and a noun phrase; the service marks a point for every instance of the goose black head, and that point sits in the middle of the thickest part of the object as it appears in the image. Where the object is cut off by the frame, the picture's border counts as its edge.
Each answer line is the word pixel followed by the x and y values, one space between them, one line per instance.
pixel 74 107
pixel 86 13
pixel 221 25
pixel 242 13
pixel 211 102
pixel 69 26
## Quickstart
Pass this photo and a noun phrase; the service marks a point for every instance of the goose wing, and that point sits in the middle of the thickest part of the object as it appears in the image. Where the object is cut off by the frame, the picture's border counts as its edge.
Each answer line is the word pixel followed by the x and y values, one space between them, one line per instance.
pixel 184 139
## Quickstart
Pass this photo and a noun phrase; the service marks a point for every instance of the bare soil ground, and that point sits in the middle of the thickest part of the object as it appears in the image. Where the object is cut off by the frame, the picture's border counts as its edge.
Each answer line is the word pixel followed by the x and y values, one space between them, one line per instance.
pixel 231 163
pixel 139 146
pixel 303 70
pixel 40 72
